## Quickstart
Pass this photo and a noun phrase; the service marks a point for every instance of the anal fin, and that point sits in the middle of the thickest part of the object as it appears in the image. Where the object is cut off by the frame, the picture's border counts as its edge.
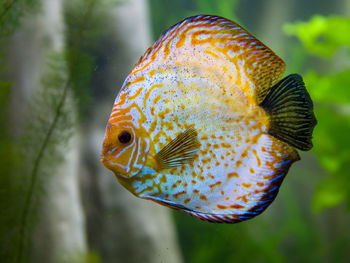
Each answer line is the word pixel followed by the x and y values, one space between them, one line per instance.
pixel 209 217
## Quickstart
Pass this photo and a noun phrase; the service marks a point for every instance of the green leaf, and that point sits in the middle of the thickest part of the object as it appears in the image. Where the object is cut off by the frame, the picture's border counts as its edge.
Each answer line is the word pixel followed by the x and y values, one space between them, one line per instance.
pixel 329 193
pixel 322 36
pixel 332 88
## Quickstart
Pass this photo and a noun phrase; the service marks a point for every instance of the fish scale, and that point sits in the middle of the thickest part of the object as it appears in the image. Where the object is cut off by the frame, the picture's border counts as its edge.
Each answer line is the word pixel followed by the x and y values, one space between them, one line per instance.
pixel 198 90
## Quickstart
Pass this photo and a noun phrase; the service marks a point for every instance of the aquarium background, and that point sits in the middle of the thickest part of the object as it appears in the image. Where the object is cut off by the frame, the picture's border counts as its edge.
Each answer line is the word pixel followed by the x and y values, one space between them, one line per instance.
pixel 62 64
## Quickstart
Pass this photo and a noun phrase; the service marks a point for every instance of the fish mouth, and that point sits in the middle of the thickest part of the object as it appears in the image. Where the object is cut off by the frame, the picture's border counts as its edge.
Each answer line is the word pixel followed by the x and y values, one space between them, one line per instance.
pixel 104 161
pixel 108 163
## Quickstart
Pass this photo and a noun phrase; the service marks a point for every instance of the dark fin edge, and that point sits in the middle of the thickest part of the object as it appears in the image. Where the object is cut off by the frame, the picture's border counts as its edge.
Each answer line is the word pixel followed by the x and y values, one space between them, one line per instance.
pixel 179 151
pixel 271 191
pixel 220 218
pixel 212 218
pixel 291 112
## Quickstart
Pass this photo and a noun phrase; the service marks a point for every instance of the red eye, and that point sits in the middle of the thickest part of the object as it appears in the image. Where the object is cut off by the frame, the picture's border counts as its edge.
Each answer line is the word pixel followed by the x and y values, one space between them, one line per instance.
pixel 124 137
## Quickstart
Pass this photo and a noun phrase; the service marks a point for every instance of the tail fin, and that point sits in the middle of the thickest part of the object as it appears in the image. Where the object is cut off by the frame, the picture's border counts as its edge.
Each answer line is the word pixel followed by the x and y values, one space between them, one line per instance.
pixel 291 112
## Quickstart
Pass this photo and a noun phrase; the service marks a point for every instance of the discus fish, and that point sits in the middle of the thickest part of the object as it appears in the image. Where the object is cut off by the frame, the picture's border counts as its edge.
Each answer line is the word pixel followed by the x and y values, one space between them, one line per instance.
pixel 204 124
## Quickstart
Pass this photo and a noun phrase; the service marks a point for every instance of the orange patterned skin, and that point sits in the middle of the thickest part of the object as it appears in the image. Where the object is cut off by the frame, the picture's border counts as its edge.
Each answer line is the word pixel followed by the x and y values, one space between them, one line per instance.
pixel 208 73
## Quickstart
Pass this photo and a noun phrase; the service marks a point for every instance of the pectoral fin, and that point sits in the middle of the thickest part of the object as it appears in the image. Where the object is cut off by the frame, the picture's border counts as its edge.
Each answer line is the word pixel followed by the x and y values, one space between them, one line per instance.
pixel 179 151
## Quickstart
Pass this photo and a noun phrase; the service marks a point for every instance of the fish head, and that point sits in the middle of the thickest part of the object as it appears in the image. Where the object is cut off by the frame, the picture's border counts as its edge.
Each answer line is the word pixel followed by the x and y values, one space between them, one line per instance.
pixel 125 146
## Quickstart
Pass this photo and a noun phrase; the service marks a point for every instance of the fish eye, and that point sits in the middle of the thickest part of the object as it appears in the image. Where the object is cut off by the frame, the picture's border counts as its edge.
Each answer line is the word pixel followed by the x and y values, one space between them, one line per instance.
pixel 124 137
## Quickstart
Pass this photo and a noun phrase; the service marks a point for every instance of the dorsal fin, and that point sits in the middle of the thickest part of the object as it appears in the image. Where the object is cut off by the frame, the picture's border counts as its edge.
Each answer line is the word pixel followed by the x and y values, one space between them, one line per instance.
pixel 267 69
pixel 262 65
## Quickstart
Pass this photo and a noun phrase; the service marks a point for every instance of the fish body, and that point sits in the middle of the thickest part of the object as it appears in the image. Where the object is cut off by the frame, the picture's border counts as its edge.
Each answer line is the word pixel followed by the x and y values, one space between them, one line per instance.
pixel 199 123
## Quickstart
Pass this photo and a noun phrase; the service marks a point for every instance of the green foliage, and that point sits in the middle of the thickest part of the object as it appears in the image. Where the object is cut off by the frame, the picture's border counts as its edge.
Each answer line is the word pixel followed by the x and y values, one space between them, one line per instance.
pixel 40 148
pixel 8 189
pixel 327 37
pixel 11 13
pixel 30 155
pixel 321 36
pixel 331 88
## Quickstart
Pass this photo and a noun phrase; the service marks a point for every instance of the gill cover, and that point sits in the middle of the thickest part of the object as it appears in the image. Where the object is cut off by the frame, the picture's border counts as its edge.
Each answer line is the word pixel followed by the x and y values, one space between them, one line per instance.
pixel 125 147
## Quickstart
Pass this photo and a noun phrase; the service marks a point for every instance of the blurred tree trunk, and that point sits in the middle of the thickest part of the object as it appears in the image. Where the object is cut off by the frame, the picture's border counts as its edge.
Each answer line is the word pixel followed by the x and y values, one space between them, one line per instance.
pixel 274 14
pixel 60 232
pixel 121 227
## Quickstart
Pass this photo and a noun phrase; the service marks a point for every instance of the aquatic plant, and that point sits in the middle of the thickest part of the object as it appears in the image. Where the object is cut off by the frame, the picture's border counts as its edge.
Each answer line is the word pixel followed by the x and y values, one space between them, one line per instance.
pixel 325 39
pixel 32 154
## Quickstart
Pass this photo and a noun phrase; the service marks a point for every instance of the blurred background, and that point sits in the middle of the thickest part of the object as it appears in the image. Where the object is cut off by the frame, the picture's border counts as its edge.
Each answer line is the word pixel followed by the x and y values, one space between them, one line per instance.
pixel 62 64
